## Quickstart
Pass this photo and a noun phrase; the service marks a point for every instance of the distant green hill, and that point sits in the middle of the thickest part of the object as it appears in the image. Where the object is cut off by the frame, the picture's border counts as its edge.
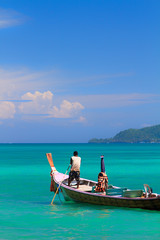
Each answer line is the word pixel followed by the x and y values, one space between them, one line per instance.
pixel 144 135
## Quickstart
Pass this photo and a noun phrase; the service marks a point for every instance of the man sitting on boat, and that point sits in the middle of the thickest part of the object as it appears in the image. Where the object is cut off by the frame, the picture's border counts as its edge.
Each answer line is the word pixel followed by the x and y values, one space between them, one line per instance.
pixel 75 169
pixel 102 183
pixel 102 179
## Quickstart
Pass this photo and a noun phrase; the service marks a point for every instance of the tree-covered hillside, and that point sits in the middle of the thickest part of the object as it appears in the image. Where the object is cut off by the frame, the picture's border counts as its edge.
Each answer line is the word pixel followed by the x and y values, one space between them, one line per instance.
pixel 146 135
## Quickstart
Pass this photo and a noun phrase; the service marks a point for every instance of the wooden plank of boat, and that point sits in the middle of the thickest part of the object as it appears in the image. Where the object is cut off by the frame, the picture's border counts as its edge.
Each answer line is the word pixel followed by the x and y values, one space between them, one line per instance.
pixel 83 188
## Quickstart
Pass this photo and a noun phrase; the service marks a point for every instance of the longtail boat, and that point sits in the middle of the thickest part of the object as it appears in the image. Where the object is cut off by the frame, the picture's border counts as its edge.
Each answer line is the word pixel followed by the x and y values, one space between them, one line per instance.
pixel 114 196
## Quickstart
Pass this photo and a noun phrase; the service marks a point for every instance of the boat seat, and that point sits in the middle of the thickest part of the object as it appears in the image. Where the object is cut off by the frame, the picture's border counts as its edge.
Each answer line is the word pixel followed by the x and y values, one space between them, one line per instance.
pixel 132 193
pixel 114 191
pixel 83 188
pixel 111 191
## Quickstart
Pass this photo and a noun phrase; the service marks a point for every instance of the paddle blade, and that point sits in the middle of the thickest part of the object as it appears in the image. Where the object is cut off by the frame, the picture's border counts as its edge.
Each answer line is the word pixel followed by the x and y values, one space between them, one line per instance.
pixel 50 160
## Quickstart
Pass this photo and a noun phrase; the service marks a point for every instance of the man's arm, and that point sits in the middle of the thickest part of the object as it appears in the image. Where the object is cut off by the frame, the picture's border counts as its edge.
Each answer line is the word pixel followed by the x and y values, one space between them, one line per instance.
pixel 71 161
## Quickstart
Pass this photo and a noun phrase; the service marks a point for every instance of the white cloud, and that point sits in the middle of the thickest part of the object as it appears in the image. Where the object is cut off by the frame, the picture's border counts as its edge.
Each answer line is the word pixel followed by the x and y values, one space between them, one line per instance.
pixel 7 110
pixel 9 18
pixel 22 82
pixel 66 110
pixel 40 103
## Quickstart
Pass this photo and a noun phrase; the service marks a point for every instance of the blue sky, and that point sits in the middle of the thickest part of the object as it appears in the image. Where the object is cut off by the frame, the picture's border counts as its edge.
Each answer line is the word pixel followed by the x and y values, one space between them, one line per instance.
pixel 74 70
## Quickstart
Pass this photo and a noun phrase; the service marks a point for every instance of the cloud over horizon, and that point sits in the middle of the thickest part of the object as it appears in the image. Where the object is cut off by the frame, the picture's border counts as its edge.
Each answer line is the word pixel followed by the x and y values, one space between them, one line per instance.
pixel 66 110
pixel 17 82
pixel 31 98
pixel 7 110
pixel 42 103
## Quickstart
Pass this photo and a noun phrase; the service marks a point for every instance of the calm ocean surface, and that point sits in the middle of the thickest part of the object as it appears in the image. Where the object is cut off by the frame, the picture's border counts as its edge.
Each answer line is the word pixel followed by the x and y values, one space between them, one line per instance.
pixel 25 210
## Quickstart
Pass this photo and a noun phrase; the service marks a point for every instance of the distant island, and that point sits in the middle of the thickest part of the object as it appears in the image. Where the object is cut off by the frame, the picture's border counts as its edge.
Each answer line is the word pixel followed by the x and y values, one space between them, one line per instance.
pixel 143 135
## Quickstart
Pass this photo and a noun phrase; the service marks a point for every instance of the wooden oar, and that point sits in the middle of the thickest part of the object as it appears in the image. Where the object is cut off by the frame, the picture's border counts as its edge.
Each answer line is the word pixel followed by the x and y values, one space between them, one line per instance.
pixel 60 184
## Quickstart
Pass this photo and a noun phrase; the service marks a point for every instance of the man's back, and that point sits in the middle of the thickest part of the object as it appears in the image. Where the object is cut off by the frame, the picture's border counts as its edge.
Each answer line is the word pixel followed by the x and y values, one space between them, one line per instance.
pixel 76 162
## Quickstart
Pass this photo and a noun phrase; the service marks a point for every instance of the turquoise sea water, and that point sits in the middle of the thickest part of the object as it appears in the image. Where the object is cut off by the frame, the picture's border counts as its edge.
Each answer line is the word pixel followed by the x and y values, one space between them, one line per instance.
pixel 25 210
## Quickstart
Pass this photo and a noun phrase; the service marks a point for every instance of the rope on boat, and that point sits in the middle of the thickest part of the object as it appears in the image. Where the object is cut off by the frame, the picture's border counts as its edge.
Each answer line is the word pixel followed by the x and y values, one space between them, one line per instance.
pixel 60 185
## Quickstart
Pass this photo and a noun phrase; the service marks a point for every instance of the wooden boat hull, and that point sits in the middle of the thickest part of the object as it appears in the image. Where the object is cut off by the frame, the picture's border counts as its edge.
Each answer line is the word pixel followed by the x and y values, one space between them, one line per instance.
pixel 98 199
pixel 77 195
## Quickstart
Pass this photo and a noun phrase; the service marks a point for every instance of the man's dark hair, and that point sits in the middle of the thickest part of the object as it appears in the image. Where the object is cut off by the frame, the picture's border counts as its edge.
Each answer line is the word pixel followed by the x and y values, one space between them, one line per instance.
pixel 75 153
